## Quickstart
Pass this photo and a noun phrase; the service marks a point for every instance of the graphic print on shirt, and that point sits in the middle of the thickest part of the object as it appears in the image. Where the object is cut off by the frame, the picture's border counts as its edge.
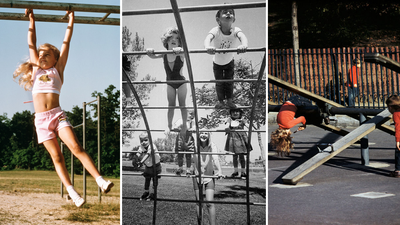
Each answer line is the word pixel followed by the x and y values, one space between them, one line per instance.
pixel 225 45
pixel 44 78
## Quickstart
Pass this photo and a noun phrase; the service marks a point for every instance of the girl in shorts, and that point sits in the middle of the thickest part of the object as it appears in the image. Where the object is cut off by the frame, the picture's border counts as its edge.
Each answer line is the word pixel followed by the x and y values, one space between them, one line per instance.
pixel 43 73
pixel 207 169
pixel 173 64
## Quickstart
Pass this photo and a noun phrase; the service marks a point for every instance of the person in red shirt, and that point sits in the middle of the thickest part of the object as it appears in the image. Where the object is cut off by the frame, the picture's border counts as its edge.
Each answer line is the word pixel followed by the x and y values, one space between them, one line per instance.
pixel 354 73
pixel 280 138
pixel 393 104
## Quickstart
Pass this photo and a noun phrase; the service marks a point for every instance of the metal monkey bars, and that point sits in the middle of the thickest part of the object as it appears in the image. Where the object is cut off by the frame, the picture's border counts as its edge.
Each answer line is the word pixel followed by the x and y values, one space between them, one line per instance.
pixel 176 11
pixel 91 8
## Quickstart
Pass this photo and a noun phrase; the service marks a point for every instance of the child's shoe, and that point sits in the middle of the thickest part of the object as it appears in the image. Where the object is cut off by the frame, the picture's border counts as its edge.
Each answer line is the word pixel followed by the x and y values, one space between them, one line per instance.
pixel 79 201
pixel 231 105
pixel 178 172
pixel 150 197
pixel 243 176
pixel 144 196
pixel 220 105
pixel 395 174
pixel 235 174
pixel 106 187
pixel 188 173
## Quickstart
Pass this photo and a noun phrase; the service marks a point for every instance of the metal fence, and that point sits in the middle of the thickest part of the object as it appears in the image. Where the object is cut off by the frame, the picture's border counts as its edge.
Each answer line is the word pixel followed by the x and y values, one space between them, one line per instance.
pixel 325 72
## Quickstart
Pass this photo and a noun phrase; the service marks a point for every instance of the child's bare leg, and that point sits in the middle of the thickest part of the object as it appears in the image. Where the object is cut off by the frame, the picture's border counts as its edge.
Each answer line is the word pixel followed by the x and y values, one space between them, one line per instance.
pixel 210 206
pixel 68 136
pixel 198 205
pixel 59 163
pixel 58 159
pixel 182 92
pixel 171 97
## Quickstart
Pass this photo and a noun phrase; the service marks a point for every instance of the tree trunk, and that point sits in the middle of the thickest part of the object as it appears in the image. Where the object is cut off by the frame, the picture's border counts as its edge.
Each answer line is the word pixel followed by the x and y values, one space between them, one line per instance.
pixel 259 137
pixel 295 31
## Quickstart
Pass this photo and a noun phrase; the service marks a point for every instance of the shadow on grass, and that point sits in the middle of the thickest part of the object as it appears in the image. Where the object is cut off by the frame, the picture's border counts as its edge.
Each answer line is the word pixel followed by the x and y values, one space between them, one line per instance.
pixel 239 191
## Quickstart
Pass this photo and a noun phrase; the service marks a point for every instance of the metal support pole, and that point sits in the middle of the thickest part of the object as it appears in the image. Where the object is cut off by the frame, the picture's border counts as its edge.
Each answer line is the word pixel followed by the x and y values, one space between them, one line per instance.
pixel 364 145
pixel 84 147
pixel 62 186
pixel 98 141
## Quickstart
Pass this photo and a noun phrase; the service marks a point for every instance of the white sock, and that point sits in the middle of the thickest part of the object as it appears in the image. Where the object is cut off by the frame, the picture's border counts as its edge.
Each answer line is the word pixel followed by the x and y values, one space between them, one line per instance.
pixel 72 193
pixel 100 181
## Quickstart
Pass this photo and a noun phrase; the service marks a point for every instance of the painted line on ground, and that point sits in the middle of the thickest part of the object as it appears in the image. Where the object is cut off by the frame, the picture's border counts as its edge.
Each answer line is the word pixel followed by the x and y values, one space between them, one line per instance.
pixel 373 195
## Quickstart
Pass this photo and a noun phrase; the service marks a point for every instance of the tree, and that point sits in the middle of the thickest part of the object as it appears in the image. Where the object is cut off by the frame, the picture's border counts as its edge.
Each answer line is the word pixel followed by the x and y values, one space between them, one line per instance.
pixel 131 117
pixel 5 148
pixel 109 131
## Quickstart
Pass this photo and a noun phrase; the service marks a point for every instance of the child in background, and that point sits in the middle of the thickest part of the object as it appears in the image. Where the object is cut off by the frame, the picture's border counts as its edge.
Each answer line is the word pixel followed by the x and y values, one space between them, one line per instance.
pixel 225 36
pixel 207 169
pixel 237 141
pixel 43 73
pixel 280 138
pixel 393 104
pixel 173 64
pixel 185 143
pixel 145 154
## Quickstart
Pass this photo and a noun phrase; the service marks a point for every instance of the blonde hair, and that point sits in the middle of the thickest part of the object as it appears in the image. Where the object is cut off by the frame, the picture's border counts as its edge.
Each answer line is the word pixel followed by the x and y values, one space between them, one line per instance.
pixel 282 141
pixel 24 71
pixel 168 34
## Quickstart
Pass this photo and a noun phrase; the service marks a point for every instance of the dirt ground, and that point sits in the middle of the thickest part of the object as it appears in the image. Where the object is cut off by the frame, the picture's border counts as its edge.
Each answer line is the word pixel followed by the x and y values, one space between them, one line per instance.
pixel 40 208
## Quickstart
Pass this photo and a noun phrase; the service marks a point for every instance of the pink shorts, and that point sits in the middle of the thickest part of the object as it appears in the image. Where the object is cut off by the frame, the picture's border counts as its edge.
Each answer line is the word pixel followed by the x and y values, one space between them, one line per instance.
pixel 49 122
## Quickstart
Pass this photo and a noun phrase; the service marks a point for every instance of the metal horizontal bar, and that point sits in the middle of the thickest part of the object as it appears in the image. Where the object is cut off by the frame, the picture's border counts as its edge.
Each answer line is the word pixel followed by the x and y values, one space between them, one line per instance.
pixel 194 153
pixel 87 103
pixel 262 49
pixel 60 6
pixel 187 81
pixel 173 175
pixel 201 130
pixel 332 110
pixel 59 18
pixel 196 201
pixel 180 107
pixel 78 126
pixel 196 8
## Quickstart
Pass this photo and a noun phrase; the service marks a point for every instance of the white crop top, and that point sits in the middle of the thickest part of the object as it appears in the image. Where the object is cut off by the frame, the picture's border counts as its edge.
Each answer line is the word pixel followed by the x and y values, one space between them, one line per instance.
pixel 46 81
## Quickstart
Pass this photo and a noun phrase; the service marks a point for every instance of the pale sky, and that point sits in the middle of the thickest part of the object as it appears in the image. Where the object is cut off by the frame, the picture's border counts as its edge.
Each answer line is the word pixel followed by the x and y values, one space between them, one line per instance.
pixel 93 62
pixel 197 25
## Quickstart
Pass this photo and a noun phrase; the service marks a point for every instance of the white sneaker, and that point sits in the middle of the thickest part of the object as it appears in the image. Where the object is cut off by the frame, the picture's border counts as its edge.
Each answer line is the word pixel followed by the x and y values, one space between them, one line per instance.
pixel 79 201
pixel 106 187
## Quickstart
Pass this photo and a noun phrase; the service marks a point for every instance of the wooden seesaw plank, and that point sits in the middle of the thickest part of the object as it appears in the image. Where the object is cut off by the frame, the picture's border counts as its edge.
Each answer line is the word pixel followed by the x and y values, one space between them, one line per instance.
pixel 297 174
pixel 317 98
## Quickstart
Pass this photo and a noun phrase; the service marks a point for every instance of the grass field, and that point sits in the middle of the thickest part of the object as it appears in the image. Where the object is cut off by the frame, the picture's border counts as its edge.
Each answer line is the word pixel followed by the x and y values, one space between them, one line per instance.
pixel 48 182
pixel 177 213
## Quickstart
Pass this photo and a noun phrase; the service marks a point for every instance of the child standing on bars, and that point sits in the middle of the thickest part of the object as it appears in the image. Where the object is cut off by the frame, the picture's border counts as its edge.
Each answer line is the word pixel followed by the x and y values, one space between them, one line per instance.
pixel 146 158
pixel 43 73
pixel 173 64
pixel 225 36
pixel 185 143
pixel 237 142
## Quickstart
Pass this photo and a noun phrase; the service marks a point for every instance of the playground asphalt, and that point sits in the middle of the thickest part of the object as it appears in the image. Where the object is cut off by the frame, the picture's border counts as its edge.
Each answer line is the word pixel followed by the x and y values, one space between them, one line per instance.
pixel 340 191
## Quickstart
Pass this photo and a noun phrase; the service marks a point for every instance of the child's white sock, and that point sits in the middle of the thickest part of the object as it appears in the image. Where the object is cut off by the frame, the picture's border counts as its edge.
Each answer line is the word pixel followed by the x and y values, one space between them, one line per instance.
pixel 100 181
pixel 72 193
